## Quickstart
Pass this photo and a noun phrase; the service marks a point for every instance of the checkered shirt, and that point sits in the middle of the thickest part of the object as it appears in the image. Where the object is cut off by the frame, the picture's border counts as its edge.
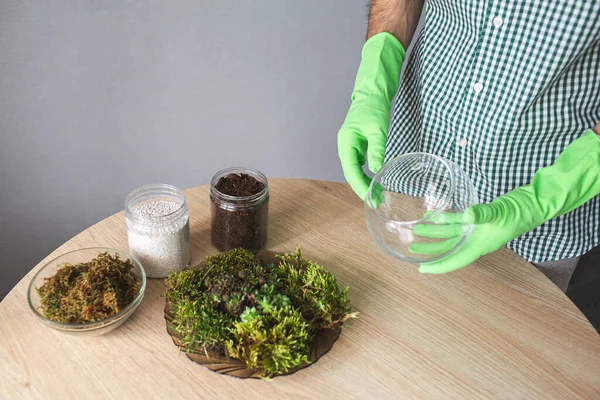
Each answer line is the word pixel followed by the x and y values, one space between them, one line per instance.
pixel 502 88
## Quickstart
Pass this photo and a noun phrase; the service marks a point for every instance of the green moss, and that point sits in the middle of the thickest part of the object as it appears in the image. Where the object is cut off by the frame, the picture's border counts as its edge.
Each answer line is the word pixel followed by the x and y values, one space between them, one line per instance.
pixel 263 314
pixel 202 325
pixel 186 284
pixel 314 290
pixel 273 342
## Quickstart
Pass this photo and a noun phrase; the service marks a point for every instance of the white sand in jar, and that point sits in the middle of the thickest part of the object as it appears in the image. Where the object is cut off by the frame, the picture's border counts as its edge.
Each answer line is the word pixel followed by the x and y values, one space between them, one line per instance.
pixel 162 245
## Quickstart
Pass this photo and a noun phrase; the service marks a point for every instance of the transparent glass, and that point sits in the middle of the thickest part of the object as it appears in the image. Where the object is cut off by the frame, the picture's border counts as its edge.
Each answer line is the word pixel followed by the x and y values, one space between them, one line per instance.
pixel 160 242
pixel 76 257
pixel 239 221
pixel 413 189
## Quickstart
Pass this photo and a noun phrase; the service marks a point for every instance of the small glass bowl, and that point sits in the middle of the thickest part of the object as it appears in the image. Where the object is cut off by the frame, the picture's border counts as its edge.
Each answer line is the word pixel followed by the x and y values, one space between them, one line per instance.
pixel 413 189
pixel 92 328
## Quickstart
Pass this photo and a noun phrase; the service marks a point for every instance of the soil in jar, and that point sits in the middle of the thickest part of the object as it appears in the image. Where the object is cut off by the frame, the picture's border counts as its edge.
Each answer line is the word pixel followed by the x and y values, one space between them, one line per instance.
pixel 239 225
pixel 239 185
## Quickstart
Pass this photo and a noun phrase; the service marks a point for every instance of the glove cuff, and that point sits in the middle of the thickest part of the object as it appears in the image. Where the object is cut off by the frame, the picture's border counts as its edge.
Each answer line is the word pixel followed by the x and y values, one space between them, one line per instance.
pixel 379 70
pixel 558 189
pixel 573 179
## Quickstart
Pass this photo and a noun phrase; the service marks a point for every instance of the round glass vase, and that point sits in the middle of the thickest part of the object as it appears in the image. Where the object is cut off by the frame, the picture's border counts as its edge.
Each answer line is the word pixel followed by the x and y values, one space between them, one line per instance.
pixel 418 189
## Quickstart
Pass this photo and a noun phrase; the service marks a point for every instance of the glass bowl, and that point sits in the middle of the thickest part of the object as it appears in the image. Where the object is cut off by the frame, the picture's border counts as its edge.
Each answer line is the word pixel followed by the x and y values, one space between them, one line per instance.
pixel 91 328
pixel 418 189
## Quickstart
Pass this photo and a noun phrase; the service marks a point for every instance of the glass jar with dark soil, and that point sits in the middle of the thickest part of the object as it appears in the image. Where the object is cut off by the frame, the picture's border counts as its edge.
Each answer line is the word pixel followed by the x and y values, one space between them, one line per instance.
pixel 239 209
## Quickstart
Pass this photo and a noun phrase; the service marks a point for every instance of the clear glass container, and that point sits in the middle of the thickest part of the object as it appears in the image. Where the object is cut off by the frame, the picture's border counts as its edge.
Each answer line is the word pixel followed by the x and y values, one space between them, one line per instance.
pixel 158 229
pixel 418 189
pixel 239 221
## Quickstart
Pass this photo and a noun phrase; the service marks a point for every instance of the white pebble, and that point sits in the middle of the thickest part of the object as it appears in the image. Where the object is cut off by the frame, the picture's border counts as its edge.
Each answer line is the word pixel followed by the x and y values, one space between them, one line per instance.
pixel 163 245
pixel 155 208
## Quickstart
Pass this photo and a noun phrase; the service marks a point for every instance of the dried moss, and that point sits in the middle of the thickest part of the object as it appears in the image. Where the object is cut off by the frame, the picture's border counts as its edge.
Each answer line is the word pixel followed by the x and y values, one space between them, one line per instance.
pixel 89 292
pixel 263 314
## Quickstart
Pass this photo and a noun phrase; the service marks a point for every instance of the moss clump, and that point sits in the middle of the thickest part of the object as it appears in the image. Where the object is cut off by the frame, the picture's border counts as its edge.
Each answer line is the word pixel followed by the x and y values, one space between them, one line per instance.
pixel 314 290
pixel 201 324
pixel 272 341
pixel 264 314
pixel 90 291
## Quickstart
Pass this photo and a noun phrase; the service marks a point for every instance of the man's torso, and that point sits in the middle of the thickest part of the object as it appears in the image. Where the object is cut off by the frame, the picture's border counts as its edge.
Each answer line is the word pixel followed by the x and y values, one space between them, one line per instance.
pixel 501 88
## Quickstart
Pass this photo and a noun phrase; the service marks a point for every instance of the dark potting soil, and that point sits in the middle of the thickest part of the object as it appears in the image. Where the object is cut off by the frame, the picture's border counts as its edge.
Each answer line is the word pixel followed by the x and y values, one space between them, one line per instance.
pixel 239 223
pixel 239 185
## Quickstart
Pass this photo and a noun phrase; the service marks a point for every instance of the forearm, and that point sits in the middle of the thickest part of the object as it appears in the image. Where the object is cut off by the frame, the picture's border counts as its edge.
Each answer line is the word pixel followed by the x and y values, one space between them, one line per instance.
pixel 398 17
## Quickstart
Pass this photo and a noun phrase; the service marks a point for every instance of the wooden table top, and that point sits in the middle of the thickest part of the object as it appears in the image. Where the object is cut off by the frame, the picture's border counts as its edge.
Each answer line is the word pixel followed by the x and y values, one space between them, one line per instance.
pixel 498 329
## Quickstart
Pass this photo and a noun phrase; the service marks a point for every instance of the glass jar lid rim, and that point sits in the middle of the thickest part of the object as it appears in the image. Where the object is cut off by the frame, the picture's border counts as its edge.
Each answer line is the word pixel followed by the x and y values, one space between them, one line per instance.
pixel 257 197
pixel 132 214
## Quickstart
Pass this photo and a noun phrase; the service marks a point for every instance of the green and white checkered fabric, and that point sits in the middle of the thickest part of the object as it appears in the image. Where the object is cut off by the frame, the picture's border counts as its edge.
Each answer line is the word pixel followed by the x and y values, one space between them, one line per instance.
pixel 502 88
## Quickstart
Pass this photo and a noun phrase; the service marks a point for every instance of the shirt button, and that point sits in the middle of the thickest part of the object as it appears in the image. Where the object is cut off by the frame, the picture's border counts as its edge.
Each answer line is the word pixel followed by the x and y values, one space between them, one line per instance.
pixel 463 143
pixel 497 22
pixel 478 87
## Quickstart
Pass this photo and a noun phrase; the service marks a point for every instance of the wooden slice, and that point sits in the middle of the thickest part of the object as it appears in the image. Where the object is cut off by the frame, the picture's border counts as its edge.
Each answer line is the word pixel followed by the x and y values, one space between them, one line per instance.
pixel 322 343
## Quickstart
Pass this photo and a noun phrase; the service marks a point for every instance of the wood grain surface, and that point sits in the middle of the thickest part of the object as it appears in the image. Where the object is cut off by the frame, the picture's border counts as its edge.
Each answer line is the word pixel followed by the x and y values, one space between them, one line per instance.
pixel 497 329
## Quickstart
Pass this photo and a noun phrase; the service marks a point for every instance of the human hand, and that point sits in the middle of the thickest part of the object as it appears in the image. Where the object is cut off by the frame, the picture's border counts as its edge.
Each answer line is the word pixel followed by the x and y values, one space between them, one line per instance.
pixel 572 180
pixel 493 226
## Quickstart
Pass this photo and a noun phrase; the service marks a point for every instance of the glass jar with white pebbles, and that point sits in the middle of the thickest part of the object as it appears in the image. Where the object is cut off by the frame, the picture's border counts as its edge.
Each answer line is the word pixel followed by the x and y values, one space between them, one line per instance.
pixel 158 229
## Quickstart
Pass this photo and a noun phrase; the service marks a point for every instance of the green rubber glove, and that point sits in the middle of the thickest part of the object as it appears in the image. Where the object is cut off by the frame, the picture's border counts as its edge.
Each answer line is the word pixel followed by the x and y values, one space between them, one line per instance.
pixel 367 122
pixel 555 190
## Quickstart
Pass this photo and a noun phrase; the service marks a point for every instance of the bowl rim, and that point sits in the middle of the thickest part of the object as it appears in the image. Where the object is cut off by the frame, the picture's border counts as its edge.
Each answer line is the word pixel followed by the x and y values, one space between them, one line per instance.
pixel 369 201
pixel 96 324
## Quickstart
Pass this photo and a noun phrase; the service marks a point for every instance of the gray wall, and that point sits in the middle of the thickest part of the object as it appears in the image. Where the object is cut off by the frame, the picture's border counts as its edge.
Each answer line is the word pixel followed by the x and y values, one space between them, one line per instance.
pixel 98 97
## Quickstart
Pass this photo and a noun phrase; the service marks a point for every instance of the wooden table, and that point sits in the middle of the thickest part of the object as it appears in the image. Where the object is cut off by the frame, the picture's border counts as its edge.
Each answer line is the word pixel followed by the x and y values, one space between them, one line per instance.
pixel 498 329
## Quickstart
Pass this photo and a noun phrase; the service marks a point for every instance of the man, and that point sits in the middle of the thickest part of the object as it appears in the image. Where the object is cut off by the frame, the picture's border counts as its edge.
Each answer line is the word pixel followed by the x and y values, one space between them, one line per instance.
pixel 510 91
